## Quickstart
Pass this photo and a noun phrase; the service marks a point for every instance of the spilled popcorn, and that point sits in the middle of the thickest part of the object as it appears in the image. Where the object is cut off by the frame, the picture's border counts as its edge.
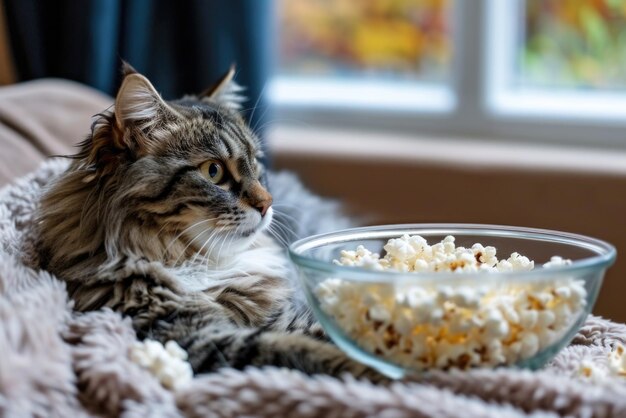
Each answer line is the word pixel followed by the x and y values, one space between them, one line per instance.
pixel 617 361
pixel 592 371
pixel 431 325
pixel 167 363
pixel 598 372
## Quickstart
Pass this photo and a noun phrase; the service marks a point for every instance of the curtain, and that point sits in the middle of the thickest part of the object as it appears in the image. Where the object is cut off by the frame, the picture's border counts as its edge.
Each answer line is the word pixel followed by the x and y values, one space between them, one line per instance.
pixel 181 46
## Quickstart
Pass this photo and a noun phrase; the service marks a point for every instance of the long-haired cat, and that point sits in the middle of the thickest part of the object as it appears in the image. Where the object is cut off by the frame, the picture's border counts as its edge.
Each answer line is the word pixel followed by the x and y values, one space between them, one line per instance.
pixel 163 216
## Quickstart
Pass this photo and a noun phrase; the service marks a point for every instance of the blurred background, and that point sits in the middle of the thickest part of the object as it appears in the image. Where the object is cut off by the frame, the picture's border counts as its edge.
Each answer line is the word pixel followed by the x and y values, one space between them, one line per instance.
pixel 491 111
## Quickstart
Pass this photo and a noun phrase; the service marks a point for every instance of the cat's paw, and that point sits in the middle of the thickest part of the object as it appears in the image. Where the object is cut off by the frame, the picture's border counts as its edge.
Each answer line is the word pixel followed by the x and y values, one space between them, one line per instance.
pixel 317 331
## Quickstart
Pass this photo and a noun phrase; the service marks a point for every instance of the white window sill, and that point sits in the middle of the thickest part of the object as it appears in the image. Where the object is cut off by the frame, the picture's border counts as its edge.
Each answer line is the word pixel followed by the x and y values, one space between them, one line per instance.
pixel 355 94
pixel 595 106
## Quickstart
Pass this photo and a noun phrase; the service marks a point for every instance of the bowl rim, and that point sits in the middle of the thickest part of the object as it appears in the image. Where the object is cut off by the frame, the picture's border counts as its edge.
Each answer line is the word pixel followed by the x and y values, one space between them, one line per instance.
pixel 606 252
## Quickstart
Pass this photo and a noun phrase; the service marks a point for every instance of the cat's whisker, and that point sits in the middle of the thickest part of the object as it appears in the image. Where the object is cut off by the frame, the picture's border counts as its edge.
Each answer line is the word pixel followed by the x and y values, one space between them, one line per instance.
pixel 214 239
pixel 199 251
pixel 274 235
pixel 212 263
pixel 207 260
pixel 285 229
pixel 207 253
pixel 256 128
pixel 183 231
pixel 279 232
pixel 212 247
pixel 277 236
pixel 165 224
pixel 256 105
pixel 249 118
pixel 158 234
pixel 184 251
pixel 281 217
pixel 283 214
pixel 227 235
pixel 207 241
pixel 189 227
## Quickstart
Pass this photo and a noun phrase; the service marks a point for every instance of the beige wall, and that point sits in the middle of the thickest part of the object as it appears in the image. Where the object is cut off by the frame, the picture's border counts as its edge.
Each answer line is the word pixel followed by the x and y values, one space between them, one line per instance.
pixel 439 189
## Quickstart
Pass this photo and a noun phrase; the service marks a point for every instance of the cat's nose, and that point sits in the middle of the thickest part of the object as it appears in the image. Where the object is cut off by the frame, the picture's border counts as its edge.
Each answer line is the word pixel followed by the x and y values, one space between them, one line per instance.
pixel 259 198
pixel 263 206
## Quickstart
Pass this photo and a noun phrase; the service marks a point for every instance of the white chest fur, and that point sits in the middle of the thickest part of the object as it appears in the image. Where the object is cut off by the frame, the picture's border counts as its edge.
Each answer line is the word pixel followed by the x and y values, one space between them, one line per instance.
pixel 263 259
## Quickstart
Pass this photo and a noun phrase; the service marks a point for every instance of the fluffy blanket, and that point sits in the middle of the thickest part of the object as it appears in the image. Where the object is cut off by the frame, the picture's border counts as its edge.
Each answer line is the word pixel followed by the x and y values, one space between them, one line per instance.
pixel 55 362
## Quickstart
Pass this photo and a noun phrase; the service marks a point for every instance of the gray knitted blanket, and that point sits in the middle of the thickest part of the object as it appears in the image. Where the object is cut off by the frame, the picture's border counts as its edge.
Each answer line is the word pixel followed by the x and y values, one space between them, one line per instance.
pixel 54 362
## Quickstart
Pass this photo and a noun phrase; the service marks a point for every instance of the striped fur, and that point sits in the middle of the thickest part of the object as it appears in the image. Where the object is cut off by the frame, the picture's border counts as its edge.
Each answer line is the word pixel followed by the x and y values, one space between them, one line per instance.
pixel 135 226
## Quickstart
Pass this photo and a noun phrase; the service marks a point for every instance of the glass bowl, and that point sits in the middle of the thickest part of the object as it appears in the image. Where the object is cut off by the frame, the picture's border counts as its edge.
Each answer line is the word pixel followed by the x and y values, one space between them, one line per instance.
pixel 401 322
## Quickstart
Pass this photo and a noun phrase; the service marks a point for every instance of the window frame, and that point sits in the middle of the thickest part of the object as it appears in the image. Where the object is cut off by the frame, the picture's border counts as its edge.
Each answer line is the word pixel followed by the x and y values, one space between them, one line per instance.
pixel 478 103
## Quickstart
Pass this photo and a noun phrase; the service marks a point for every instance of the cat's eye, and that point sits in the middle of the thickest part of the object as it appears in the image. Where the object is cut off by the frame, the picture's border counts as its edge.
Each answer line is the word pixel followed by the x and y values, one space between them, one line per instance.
pixel 213 171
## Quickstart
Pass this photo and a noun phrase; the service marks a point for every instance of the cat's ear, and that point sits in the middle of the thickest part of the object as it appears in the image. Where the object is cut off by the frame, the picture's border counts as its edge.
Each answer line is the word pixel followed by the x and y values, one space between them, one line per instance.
pixel 138 105
pixel 128 69
pixel 226 91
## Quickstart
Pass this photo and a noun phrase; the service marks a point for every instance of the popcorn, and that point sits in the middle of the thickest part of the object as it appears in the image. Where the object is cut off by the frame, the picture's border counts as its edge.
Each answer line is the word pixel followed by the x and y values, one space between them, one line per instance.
pixel 530 344
pixel 412 253
pixel 520 263
pixel 167 363
pixel 592 371
pixel 617 360
pixel 598 371
pixel 426 325
pixel 556 261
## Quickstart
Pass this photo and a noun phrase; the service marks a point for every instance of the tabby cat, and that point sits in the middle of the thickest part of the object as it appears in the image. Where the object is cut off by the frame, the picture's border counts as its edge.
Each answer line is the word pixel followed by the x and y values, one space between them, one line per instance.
pixel 163 216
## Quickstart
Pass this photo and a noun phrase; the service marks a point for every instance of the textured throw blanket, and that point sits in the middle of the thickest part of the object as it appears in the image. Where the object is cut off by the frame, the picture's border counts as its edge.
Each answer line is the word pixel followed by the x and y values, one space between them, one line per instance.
pixel 54 362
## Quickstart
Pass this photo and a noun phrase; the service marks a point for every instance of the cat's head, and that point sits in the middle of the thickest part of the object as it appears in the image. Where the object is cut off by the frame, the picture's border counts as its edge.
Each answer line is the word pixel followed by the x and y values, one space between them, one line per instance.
pixel 172 177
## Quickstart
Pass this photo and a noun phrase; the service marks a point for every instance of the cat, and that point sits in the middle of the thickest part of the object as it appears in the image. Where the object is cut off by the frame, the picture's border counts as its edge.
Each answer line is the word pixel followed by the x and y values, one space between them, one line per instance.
pixel 164 216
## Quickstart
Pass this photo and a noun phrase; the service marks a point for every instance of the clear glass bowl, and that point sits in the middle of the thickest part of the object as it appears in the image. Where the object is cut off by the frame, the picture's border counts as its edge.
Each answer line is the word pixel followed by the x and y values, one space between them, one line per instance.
pixel 429 321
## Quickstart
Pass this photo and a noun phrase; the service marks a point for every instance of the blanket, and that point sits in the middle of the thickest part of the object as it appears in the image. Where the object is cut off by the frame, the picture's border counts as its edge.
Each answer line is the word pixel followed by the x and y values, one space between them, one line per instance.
pixel 56 362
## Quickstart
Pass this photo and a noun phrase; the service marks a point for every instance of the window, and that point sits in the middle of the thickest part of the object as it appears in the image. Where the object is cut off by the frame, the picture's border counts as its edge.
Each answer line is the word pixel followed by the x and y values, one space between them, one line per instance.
pixel 546 70
pixel 364 54
pixel 573 45
pixel 559 58
pixel 382 39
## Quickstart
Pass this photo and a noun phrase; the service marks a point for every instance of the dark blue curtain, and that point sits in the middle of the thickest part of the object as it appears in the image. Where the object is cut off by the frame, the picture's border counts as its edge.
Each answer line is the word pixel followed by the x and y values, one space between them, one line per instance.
pixel 181 46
